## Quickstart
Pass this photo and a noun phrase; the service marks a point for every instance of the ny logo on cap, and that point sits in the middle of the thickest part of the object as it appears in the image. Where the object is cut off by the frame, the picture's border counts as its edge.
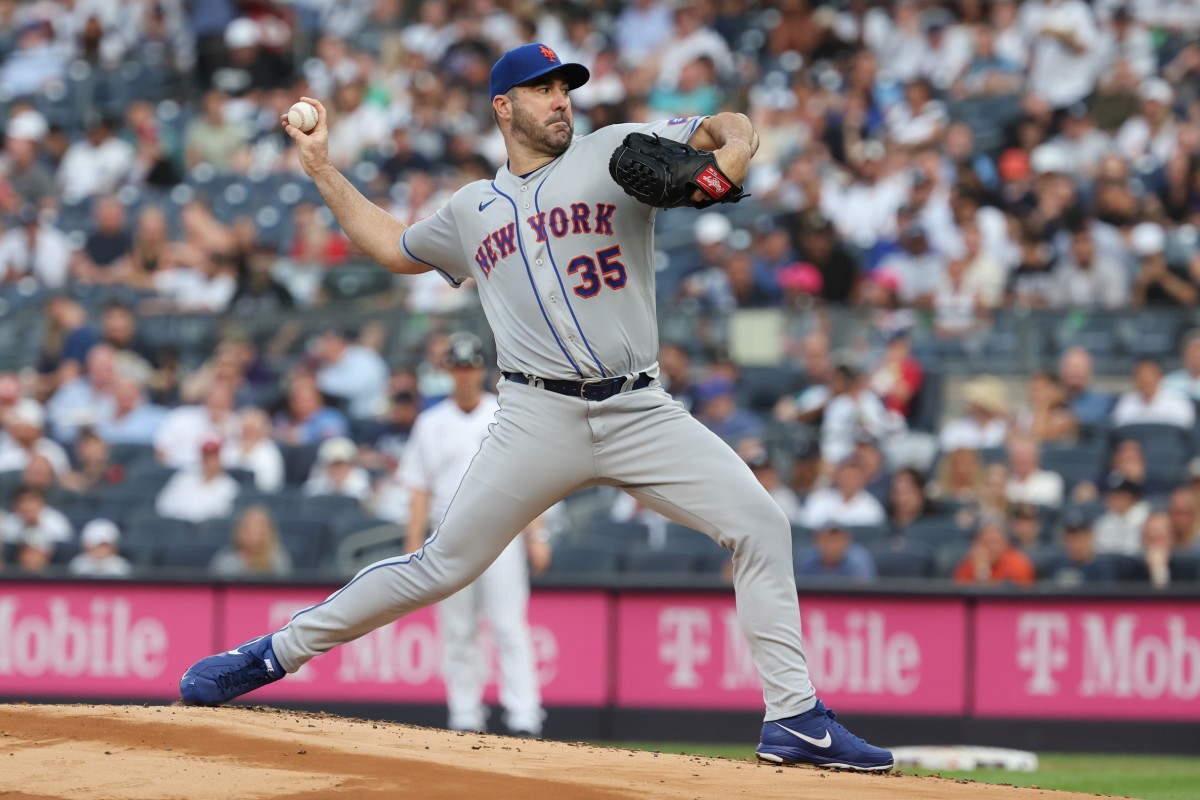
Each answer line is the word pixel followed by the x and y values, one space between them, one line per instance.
pixel 548 53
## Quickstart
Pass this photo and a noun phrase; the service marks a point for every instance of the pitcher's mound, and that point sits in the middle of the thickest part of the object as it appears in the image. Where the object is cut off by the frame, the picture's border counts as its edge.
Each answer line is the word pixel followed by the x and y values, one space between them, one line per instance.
pixel 163 752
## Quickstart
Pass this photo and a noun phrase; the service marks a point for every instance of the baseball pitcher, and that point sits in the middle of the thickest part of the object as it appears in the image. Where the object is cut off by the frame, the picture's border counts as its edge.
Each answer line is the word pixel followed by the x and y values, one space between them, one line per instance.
pixel 560 244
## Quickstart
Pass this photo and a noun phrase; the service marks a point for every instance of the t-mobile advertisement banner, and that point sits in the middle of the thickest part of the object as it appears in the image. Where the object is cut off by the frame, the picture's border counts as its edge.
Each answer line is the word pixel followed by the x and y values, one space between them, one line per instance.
pixel 1126 660
pixel 100 640
pixel 402 662
pixel 865 654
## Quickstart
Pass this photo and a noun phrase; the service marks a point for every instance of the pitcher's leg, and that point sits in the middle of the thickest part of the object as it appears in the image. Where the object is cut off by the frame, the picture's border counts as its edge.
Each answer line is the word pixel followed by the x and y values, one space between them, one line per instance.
pixel 535 454
pixel 505 592
pixel 463 668
pixel 675 465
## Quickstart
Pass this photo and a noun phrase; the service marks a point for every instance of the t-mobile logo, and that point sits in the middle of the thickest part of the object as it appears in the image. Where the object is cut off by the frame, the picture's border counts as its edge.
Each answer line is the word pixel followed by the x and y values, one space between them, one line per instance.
pixel 683 642
pixel 1042 649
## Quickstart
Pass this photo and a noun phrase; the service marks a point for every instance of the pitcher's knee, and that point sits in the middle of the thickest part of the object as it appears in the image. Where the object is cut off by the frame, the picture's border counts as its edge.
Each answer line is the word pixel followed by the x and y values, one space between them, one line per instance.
pixel 763 527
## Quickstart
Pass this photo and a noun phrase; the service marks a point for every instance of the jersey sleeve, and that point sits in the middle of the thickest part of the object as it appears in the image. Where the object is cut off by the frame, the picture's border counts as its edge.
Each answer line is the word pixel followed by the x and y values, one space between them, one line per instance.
pixel 679 129
pixel 434 242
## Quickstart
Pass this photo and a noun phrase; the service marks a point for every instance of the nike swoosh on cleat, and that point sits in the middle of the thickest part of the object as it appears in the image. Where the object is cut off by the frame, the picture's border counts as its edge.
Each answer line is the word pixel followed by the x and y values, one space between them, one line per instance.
pixel 822 742
pixel 234 653
pixel 482 206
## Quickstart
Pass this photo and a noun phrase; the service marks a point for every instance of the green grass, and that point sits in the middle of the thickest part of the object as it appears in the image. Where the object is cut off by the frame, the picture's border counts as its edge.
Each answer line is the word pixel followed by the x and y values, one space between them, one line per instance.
pixel 1143 777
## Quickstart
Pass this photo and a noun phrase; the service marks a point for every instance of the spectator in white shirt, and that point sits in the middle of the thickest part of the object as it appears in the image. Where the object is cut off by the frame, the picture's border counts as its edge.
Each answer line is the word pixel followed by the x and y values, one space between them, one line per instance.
pixel 197 494
pixel 1027 483
pixel 1186 379
pixel 1088 278
pixel 336 473
pixel 354 372
pixel 916 266
pixel 32 521
pixel 99 557
pixel 1119 528
pixel 847 502
pixel 1062 58
pixel 986 421
pixel 920 120
pixel 23 439
pixel 95 164
pixel 1149 139
pixel 254 450
pixel 1151 402
pixel 1122 38
pixel 35 249
pixel 177 443
pixel 690 40
pixel 852 412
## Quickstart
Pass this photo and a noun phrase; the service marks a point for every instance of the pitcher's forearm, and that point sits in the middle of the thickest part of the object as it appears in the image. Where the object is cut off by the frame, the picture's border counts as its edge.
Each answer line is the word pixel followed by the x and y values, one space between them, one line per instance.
pixel 372 229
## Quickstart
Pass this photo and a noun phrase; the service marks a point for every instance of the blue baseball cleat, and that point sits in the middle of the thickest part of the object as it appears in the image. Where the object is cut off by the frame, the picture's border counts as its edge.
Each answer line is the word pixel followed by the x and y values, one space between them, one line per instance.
pixel 218 679
pixel 815 738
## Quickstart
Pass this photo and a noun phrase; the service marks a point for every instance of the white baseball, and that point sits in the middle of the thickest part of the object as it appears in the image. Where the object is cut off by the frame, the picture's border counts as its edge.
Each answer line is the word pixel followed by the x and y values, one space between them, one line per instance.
pixel 303 115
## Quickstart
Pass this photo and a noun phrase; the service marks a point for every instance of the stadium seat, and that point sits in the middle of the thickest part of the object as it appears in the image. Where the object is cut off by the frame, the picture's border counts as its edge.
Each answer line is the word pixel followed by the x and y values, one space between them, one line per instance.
pixel 936 532
pixel 325 506
pixel 194 554
pixel 908 560
pixel 575 559
pixel 643 558
pixel 307 541
pixel 626 533
pixel 1075 464
pixel 297 462
pixel 867 535
pixel 1167 447
pixel 759 388
pixel 946 558
pixel 801 537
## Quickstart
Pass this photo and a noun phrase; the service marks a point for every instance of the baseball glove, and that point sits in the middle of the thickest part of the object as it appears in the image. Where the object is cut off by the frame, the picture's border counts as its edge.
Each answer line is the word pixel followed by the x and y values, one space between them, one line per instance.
pixel 666 174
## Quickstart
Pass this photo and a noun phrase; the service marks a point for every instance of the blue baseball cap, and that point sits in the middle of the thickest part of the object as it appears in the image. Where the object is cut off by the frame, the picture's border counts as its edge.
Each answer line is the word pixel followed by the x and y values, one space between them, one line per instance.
pixel 531 61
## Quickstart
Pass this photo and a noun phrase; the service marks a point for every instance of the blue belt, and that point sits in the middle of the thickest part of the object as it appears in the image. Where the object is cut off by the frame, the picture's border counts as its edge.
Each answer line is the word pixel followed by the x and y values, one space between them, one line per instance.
pixel 587 390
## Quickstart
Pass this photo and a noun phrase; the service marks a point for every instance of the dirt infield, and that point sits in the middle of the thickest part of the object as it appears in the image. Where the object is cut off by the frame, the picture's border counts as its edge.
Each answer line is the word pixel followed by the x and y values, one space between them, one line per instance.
pixel 163 753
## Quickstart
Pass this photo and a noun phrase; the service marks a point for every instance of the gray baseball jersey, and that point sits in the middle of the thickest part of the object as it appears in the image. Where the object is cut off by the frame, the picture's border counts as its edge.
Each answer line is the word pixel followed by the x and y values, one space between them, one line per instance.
pixel 563 260
pixel 563 257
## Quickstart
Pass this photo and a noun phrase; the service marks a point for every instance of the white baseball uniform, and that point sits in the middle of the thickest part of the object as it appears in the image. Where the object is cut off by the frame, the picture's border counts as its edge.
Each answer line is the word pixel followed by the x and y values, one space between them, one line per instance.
pixel 563 260
pixel 444 440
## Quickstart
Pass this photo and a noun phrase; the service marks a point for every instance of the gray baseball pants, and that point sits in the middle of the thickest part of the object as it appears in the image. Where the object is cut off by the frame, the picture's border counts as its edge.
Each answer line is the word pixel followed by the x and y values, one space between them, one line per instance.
pixel 542 447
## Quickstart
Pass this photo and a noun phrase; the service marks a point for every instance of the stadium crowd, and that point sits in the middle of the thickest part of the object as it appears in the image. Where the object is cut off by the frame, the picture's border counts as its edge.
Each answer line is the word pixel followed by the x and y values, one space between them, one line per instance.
pixel 933 168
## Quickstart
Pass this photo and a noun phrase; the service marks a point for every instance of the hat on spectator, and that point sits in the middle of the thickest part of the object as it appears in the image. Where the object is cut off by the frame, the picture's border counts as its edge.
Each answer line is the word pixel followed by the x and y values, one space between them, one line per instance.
pixel 242 32
pixel 27 412
pixel 1048 159
pixel 1156 90
pixel 886 278
pixel 97 532
pixel 29 126
pixel 1013 165
pixel 465 350
pixel 986 392
pixel 529 61
pixel 1147 239
pixel 336 450
pixel 800 277
pixel 830 525
pixel 713 388
pixel 711 228
pixel 1120 482
pixel 1075 518
pixel 807 450
pixel 758 458
pixel 1077 111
